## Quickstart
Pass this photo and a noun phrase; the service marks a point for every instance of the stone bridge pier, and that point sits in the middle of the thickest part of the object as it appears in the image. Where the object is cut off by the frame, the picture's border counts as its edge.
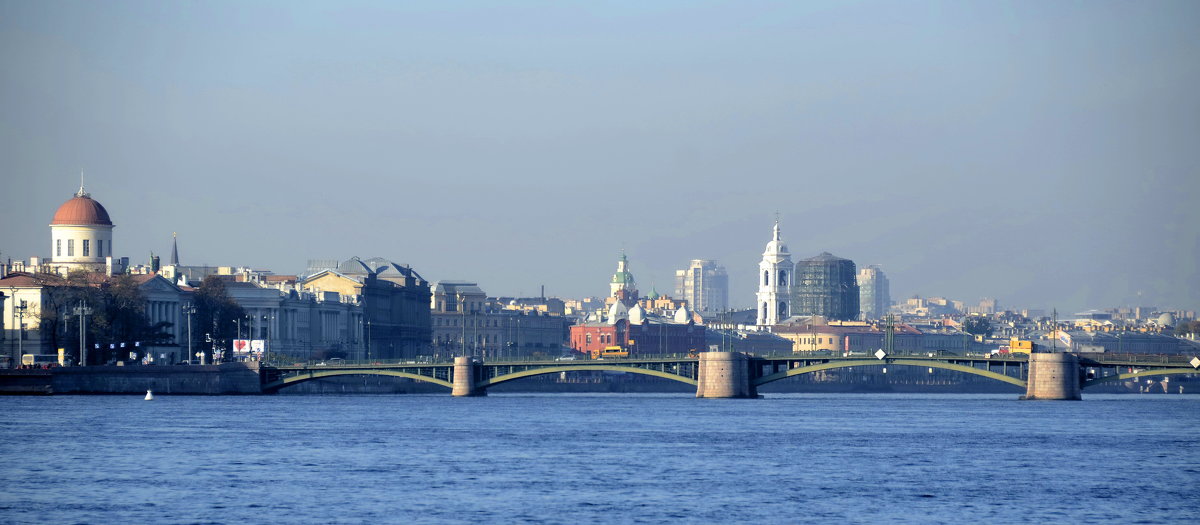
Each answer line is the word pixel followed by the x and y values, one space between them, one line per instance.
pixel 466 375
pixel 724 375
pixel 1053 376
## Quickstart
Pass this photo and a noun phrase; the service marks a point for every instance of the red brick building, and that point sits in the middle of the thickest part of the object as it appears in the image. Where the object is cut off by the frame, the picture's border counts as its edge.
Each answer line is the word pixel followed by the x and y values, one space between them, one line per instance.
pixel 646 339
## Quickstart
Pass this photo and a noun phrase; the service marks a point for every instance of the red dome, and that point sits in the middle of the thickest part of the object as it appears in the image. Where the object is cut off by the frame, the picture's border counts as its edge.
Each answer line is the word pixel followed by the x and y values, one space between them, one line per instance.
pixel 81 211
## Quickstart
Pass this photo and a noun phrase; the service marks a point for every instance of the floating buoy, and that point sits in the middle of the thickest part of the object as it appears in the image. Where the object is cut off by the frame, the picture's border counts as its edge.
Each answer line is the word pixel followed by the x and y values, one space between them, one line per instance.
pixel 149 396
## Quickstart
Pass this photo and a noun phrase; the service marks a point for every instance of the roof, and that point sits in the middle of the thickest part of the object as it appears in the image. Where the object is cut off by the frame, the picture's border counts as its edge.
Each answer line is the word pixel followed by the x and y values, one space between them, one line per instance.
pixel 457 287
pixel 379 266
pixel 26 279
pixel 825 256
pixel 81 210
pixel 20 279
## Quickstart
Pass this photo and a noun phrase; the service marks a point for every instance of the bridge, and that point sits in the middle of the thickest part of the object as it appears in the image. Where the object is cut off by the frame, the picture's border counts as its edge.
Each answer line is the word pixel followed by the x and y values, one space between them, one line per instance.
pixel 738 375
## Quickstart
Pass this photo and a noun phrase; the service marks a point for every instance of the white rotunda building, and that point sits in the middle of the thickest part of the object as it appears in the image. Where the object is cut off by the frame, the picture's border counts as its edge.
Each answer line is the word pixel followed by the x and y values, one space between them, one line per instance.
pixel 81 235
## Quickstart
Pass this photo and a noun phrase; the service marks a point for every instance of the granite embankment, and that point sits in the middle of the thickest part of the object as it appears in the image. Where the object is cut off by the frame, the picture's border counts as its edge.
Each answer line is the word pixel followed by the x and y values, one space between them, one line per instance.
pixel 222 379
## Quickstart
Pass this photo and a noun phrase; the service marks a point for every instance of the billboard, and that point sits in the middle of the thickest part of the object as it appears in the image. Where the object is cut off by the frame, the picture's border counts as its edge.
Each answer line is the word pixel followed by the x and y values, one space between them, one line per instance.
pixel 241 347
pixel 257 346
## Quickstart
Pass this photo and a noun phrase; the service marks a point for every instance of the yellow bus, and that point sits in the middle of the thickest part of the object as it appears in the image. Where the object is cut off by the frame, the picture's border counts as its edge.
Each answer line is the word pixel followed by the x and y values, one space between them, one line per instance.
pixel 610 352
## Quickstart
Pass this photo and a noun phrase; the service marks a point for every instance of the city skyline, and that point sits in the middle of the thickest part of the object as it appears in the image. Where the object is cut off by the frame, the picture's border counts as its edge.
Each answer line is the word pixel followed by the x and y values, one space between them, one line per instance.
pixel 1052 168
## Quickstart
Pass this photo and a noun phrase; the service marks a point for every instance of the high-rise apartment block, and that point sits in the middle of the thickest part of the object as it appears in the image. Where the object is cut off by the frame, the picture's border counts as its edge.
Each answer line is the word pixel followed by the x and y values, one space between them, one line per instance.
pixel 874 297
pixel 704 285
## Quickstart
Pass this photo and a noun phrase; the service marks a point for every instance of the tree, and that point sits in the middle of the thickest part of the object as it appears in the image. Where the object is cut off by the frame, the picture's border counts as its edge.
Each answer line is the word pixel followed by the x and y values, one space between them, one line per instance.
pixel 122 316
pixel 977 325
pixel 1183 328
pixel 57 315
pixel 118 314
pixel 215 315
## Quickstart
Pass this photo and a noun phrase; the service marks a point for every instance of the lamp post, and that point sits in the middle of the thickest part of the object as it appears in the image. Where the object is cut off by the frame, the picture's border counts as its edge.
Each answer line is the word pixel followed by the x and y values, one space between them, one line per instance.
pixel 82 311
pixel 20 309
pixel 267 318
pixel 189 309
pixel 368 339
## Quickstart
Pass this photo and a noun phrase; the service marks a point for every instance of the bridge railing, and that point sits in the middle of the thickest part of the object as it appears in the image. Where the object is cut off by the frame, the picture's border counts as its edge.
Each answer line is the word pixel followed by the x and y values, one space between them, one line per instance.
pixel 870 354
pixel 1146 359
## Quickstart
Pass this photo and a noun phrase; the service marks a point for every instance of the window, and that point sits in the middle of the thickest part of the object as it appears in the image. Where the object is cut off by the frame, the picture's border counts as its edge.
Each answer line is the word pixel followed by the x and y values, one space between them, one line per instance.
pixel 782 310
pixel 58 247
pixel 100 248
pixel 70 247
pixel 589 339
pixel 766 277
pixel 85 247
pixel 782 277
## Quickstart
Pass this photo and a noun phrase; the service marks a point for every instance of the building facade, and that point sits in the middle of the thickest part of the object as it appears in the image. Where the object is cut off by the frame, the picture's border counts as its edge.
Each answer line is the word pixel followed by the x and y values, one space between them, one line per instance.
pixel 820 335
pixel 827 285
pixel 395 303
pixel 466 322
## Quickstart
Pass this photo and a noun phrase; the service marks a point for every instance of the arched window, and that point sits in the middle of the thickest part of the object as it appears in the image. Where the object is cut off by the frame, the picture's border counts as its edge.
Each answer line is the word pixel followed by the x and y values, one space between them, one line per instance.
pixel 766 277
pixel 782 310
pixel 782 277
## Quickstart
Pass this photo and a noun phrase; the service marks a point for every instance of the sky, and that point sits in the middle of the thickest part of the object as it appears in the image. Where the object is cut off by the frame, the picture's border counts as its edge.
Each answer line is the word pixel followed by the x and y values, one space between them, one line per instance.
pixel 1041 153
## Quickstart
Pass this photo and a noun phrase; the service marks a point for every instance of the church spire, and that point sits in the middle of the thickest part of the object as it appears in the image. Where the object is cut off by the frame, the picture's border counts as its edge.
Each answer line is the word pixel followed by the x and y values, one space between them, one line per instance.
pixel 174 250
pixel 81 192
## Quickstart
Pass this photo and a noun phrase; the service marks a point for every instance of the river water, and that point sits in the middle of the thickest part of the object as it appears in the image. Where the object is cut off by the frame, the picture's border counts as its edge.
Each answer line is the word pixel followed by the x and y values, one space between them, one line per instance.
pixel 611 458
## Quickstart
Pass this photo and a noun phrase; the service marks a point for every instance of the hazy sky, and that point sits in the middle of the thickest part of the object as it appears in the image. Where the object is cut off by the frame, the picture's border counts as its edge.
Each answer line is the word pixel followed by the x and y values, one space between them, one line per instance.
pixel 1042 153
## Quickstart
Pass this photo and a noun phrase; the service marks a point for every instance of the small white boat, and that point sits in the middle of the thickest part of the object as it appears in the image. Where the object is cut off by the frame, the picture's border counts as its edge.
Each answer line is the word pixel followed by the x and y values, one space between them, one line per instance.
pixel 149 396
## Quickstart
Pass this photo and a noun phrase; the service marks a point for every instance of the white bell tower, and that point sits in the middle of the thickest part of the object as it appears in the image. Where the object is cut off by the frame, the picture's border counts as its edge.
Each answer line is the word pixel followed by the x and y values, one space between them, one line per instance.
pixel 774 296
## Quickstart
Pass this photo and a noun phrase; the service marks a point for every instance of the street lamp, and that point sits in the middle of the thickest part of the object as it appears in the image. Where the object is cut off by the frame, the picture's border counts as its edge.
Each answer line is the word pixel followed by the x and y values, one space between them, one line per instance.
pixel 267 318
pixel 189 309
pixel 82 311
pixel 20 309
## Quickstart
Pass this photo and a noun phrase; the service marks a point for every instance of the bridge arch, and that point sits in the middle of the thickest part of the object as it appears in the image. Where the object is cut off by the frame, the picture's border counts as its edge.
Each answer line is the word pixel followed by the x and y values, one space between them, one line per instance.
pixel 582 368
pixel 897 362
pixel 295 379
pixel 1142 373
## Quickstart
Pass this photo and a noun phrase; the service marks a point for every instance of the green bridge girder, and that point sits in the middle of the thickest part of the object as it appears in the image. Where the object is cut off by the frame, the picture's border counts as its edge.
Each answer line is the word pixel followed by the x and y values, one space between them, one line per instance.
pixel 685 370
pixel 947 364
pixel 553 369
pixel 294 376
pixel 1140 373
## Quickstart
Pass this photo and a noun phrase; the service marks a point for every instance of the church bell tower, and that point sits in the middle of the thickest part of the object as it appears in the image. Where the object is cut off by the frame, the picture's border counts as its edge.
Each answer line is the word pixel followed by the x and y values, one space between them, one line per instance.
pixel 774 298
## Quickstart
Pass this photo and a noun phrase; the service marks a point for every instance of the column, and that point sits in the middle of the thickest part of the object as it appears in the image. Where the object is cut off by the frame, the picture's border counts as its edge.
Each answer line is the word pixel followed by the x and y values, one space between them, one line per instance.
pixel 1053 377
pixel 724 375
pixel 466 369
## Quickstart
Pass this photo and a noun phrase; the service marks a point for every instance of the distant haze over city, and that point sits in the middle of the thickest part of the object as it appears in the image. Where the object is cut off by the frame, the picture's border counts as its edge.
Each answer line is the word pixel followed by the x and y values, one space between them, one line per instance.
pixel 1040 153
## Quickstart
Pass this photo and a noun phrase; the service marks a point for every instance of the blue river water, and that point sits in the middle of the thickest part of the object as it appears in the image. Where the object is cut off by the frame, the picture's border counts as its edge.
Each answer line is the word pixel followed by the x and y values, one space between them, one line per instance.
pixel 600 458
